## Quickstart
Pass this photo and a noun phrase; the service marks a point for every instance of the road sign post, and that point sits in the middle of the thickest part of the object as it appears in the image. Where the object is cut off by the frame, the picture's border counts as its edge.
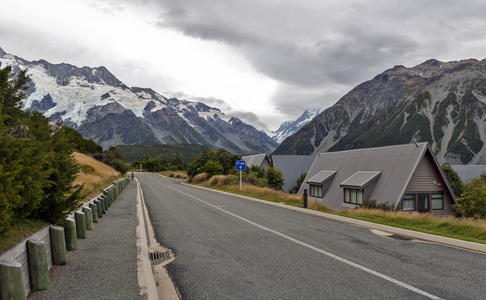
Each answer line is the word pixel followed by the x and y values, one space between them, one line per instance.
pixel 241 166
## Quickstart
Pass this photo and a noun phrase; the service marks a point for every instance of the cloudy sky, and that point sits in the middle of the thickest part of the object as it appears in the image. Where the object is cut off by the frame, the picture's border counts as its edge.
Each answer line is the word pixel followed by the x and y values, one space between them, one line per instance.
pixel 265 61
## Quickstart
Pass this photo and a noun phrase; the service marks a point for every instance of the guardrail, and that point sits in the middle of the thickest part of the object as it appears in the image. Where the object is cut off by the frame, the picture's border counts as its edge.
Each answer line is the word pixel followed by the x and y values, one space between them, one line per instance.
pixel 25 267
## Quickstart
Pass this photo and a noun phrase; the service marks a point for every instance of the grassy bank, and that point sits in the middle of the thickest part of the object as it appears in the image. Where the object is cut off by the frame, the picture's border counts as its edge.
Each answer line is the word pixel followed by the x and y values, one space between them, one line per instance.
pixel 93 174
pixel 458 228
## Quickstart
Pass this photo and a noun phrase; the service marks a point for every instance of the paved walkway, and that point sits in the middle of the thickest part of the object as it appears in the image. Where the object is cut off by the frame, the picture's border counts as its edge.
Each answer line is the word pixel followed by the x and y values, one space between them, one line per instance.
pixel 105 264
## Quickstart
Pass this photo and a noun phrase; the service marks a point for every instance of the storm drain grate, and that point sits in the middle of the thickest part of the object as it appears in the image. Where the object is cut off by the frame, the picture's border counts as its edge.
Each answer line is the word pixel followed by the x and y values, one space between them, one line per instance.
pixel 159 255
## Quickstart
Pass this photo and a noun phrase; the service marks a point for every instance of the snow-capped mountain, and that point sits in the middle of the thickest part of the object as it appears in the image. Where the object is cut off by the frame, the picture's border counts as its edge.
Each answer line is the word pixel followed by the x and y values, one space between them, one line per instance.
pixel 288 128
pixel 102 108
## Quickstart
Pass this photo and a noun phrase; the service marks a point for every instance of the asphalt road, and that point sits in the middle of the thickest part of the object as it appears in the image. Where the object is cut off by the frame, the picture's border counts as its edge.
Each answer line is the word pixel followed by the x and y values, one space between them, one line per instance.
pixel 231 248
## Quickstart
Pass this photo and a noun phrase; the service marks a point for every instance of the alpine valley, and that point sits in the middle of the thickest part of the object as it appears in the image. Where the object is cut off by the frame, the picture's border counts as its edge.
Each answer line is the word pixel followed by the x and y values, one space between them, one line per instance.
pixel 443 103
pixel 102 108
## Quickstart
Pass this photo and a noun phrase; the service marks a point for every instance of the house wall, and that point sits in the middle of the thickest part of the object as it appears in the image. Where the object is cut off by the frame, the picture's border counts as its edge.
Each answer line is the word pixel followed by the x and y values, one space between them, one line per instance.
pixel 265 164
pixel 426 180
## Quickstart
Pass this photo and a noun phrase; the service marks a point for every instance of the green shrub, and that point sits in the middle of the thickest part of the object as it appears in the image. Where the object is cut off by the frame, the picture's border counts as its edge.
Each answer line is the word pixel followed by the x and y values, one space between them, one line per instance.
pixel 87 169
pixel 472 202
pixel 275 178
pixel 263 182
pixel 298 183
pixel 371 204
pixel 456 183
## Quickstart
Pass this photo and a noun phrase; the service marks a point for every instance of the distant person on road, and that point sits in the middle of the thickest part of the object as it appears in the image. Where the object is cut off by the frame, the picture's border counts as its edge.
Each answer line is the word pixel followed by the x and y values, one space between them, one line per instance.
pixel 133 175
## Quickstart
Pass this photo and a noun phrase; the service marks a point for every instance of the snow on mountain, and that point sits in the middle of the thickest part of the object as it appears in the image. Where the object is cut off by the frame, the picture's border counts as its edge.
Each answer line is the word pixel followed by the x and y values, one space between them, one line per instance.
pixel 288 128
pixel 84 98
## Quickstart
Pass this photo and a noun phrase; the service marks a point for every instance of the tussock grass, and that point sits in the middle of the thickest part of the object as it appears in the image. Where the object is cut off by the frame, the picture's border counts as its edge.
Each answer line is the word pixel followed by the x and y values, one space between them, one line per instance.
pixel 174 174
pixel 94 174
pixel 229 183
pixel 467 229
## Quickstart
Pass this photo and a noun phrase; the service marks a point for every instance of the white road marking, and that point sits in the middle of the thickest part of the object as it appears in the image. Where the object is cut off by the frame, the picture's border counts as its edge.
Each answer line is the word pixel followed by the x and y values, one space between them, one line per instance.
pixel 348 262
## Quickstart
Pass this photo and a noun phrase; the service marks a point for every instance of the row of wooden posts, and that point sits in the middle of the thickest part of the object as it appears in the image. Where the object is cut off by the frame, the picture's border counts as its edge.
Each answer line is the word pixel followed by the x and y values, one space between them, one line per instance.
pixel 12 276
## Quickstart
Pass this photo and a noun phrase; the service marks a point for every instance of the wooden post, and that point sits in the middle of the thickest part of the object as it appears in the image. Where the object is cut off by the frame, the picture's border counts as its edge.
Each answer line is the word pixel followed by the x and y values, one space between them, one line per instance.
pixel 99 208
pixel 71 235
pixel 88 214
pixel 38 271
pixel 11 280
pixel 58 245
pixel 94 210
pixel 80 224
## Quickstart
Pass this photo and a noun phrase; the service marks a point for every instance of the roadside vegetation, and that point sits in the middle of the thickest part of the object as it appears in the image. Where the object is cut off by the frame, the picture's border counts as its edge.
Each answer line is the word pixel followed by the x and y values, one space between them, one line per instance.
pixel 471 226
pixel 40 178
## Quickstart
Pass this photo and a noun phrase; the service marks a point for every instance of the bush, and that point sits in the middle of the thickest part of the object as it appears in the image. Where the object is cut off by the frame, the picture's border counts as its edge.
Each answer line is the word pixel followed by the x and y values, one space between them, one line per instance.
pixel 298 183
pixel 263 182
pixel 456 183
pixel 472 203
pixel 201 177
pixel 87 169
pixel 275 178
pixel 371 204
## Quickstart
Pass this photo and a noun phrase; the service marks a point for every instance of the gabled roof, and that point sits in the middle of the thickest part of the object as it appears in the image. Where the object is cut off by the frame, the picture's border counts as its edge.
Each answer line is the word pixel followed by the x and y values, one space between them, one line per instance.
pixel 356 168
pixel 255 160
pixel 292 166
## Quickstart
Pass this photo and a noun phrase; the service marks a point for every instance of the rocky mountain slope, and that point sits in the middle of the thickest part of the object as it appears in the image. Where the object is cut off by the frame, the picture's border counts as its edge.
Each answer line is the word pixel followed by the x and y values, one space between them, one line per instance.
pixel 288 128
pixel 102 108
pixel 443 103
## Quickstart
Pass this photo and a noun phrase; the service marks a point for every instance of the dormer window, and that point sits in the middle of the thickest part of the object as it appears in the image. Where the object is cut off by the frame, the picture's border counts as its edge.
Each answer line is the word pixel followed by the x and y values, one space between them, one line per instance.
pixel 319 184
pixel 358 187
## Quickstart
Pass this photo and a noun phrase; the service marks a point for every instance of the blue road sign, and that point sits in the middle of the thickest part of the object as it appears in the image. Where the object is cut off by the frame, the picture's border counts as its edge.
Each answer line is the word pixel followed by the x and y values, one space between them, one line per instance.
pixel 240 165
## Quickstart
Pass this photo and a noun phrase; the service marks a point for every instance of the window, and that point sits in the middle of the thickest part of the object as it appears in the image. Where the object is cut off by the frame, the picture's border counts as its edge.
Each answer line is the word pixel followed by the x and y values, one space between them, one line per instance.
pixel 353 196
pixel 315 190
pixel 408 202
pixel 421 202
pixel 437 201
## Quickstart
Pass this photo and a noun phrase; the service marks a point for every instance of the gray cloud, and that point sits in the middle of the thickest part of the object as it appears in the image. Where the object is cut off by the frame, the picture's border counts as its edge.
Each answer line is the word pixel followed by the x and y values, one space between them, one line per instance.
pixel 317 48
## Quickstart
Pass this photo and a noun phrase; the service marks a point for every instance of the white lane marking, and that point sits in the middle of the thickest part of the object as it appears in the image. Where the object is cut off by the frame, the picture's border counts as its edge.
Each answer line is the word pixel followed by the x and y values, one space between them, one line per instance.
pixel 348 262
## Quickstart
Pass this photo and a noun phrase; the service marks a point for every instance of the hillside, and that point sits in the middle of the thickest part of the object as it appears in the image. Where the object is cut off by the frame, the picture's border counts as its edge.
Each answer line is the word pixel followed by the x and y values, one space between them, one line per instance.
pixel 441 103
pixel 94 175
pixel 186 152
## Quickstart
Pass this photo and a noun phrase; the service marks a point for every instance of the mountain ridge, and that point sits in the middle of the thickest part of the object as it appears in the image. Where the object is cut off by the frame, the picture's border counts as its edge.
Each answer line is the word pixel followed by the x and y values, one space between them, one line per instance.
pixel 442 103
pixel 84 98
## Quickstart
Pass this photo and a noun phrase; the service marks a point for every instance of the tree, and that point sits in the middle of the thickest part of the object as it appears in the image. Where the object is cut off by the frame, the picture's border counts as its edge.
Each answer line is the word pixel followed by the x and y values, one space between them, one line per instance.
pixel 298 183
pixel 275 178
pixel 472 202
pixel 36 170
pixel 456 183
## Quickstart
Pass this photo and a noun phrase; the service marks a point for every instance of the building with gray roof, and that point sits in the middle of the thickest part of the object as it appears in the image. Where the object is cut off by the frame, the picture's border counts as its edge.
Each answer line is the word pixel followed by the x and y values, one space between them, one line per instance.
pixel 292 166
pixel 407 177
pixel 259 160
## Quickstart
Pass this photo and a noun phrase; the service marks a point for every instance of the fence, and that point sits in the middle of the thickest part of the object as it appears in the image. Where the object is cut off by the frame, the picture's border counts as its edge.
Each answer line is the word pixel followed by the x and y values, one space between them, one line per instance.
pixel 25 267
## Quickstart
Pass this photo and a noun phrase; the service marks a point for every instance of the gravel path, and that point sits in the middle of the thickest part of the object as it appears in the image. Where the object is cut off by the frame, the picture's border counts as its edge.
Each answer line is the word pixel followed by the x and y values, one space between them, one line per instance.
pixel 105 264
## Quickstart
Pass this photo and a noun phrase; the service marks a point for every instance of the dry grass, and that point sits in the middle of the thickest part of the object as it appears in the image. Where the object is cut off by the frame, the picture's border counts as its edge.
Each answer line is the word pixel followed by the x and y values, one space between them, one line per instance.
pixel 227 183
pixel 174 174
pixel 94 174
pixel 460 228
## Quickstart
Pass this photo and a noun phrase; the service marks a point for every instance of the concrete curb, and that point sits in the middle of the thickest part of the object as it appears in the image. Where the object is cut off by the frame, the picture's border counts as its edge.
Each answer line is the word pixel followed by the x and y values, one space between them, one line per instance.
pixel 465 245
pixel 146 279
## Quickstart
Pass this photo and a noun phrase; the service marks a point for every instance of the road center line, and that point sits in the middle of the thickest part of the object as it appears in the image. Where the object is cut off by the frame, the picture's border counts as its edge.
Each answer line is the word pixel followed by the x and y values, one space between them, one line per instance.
pixel 348 262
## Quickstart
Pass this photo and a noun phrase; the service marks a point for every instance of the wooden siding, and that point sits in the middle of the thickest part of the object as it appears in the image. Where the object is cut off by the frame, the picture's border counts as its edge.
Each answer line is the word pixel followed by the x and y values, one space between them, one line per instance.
pixel 426 180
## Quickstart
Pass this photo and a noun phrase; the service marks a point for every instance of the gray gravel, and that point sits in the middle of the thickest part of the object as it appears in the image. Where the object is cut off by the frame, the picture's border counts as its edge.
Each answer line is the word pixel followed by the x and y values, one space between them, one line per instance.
pixel 105 264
